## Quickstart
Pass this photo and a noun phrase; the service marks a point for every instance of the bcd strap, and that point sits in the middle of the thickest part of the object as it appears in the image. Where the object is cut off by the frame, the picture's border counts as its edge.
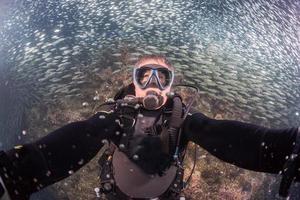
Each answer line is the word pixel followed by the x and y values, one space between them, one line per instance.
pixel 176 118
pixel 128 120
pixel 290 168
pixel 107 183
pixel 178 184
pixel 169 136
pixel 127 111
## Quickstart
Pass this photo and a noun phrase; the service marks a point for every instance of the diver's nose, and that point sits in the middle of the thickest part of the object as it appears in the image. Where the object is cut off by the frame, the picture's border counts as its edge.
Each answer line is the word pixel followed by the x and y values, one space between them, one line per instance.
pixel 153 82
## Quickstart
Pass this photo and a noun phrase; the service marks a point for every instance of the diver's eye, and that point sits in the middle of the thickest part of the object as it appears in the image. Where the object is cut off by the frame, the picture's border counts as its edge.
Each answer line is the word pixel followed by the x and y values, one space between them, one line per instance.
pixel 162 78
pixel 146 75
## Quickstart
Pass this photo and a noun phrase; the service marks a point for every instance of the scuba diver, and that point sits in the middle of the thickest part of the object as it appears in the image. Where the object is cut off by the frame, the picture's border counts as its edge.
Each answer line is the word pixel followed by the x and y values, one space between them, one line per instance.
pixel 146 129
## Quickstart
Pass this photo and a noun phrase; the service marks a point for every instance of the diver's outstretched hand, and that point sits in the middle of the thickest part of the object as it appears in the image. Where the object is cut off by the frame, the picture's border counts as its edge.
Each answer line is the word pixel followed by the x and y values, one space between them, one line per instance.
pixel 28 168
pixel 151 158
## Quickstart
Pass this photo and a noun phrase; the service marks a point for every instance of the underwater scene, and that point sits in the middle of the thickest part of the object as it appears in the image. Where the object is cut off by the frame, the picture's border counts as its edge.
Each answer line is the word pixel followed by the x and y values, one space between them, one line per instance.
pixel 61 59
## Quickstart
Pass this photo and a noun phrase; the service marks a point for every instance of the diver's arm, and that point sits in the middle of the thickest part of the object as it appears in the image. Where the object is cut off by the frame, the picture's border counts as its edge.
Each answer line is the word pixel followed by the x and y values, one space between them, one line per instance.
pixel 245 145
pixel 31 167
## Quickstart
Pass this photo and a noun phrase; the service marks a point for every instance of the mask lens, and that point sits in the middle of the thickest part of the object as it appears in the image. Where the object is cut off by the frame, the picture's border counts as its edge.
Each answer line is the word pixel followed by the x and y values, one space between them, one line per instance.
pixel 164 76
pixel 142 75
pixel 148 74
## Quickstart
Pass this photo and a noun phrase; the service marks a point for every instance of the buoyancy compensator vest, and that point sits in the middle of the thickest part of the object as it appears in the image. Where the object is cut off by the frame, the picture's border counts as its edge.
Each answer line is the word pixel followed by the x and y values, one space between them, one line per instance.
pixel 147 163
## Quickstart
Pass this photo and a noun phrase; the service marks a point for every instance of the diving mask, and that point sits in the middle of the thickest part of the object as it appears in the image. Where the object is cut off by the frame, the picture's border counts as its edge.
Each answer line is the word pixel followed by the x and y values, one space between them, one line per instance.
pixel 148 74
pixel 152 83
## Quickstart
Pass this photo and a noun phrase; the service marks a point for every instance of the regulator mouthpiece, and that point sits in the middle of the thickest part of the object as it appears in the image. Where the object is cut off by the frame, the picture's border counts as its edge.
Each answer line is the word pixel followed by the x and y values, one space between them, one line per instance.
pixel 152 101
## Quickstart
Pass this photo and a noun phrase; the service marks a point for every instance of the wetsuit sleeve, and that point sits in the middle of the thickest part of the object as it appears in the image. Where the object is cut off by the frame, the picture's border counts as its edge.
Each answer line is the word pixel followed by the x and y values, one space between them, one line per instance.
pixel 245 145
pixel 31 167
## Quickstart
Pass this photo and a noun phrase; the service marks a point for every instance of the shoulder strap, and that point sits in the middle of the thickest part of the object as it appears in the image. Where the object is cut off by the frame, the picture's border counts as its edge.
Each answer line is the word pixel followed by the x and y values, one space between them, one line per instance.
pixel 170 136
pixel 175 125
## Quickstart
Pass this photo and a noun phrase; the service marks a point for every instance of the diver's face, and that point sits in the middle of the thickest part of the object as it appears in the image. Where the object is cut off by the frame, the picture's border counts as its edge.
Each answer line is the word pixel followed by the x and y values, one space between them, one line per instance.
pixel 161 74
pixel 153 87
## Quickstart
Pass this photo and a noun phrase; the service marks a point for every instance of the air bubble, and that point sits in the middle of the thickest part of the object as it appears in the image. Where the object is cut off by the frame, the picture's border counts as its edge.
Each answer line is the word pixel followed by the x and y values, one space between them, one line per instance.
pixel 96 98
pixel 104 141
pixel 80 162
pixel 101 116
pixel 135 157
pixel 48 173
pixel 71 172
pixel 84 104
pixel 24 132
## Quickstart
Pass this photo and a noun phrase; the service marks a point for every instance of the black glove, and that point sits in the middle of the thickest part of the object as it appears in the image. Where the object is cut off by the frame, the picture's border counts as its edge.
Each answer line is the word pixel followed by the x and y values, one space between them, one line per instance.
pixel 146 152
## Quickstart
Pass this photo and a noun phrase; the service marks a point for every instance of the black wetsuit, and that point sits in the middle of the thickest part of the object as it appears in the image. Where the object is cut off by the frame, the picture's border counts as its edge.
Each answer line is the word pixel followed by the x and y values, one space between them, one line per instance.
pixel 65 150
